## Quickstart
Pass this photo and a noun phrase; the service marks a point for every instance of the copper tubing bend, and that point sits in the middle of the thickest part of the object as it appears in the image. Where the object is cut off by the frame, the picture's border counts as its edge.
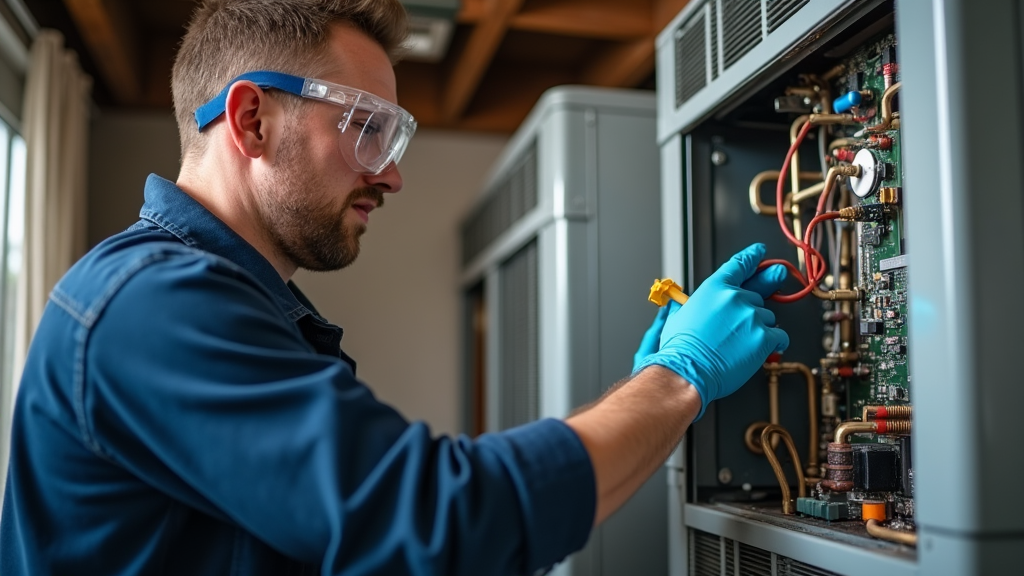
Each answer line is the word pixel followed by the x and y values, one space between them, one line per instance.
pixel 878 531
pixel 761 179
pixel 886 109
pixel 787 502
pixel 844 430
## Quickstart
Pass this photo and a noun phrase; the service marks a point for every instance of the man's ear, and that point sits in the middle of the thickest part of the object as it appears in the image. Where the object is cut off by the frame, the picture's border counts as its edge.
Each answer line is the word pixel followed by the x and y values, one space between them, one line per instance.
pixel 247 111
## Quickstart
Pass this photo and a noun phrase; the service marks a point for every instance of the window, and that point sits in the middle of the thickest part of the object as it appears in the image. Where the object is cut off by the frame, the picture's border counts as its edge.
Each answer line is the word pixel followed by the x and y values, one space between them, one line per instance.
pixel 12 233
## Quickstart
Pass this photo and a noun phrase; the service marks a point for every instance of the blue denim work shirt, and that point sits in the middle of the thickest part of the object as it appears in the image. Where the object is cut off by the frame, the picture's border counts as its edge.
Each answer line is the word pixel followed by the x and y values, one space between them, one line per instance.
pixel 185 411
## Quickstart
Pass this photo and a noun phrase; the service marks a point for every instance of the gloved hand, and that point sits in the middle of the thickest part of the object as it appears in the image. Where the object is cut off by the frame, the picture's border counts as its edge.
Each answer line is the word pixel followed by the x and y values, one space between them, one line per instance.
pixel 651 341
pixel 723 334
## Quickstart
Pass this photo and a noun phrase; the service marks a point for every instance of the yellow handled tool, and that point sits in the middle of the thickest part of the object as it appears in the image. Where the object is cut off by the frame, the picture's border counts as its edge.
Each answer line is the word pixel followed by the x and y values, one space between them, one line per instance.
pixel 666 289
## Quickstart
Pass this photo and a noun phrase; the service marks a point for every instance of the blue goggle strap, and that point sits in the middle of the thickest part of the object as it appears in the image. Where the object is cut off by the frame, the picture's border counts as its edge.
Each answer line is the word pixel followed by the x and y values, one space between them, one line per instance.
pixel 214 108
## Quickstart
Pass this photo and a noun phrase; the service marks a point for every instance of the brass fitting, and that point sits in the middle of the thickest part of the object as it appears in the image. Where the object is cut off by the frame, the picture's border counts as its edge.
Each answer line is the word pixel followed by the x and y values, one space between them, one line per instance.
pixel 898 412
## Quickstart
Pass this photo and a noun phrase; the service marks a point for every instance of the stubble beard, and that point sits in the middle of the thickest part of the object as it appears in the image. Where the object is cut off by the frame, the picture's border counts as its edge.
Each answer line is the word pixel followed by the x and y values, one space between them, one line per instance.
pixel 302 226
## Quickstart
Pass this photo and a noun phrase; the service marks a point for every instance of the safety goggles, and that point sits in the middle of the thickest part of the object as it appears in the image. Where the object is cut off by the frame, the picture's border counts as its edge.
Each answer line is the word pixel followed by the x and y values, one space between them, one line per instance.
pixel 374 132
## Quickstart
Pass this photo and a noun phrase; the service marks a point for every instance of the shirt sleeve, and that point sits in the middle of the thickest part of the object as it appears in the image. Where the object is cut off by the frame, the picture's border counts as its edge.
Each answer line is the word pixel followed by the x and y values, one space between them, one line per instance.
pixel 198 385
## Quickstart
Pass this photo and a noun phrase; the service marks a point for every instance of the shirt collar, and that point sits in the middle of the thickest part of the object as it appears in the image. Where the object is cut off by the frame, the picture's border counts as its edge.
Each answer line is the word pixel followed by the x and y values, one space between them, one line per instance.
pixel 170 208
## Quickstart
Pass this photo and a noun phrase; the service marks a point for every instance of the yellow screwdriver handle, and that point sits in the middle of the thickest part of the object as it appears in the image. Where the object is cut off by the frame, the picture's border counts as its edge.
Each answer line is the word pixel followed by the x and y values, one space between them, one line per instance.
pixel 666 289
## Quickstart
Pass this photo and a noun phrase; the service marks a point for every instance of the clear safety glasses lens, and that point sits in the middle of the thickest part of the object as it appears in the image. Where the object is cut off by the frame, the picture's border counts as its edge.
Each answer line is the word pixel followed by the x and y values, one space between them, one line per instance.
pixel 375 134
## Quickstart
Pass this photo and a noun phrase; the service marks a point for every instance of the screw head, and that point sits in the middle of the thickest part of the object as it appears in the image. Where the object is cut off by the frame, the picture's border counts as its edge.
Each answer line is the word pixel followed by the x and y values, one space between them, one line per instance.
pixel 718 158
pixel 725 475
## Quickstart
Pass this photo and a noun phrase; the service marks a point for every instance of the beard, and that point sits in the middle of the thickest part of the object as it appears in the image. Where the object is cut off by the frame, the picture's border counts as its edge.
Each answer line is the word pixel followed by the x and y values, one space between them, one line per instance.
pixel 299 218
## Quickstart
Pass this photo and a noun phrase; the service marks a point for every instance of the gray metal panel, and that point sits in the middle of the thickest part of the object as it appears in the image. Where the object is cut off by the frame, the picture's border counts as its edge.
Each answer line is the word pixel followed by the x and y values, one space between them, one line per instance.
pixel 954 555
pixel 966 242
pixel 627 236
pixel 756 64
pixel 830 555
pixel 492 369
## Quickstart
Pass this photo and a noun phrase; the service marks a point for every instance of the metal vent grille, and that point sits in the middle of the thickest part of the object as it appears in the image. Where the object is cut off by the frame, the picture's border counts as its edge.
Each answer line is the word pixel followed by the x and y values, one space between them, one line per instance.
pixel 741 28
pixel 780 10
pixel 705 554
pixel 730 557
pixel 714 40
pixel 754 561
pixel 691 58
pixel 519 340
pixel 789 567
pixel 508 200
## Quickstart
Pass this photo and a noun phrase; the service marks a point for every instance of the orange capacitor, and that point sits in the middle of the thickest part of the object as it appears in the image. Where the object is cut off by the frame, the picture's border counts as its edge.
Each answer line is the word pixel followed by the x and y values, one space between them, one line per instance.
pixel 872 510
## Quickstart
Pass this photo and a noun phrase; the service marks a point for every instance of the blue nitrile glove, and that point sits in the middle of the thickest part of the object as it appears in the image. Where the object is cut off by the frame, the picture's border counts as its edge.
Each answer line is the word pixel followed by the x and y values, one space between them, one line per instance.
pixel 723 334
pixel 649 344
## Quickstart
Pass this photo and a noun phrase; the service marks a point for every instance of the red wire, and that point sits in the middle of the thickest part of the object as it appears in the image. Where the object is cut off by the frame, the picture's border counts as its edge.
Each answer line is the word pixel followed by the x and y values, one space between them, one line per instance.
pixel 815 261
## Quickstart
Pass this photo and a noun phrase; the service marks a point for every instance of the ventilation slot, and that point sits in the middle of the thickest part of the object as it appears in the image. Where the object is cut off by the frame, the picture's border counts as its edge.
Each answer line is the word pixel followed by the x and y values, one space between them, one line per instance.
pixel 705 554
pixel 730 557
pixel 780 10
pixel 741 29
pixel 754 561
pixel 519 339
pixel 714 39
pixel 511 197
pixel 691 59
pixel 790 567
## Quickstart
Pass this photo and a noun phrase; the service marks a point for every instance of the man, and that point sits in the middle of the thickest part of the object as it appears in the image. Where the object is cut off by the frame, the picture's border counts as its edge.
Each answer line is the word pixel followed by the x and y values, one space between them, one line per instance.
pixel 185 410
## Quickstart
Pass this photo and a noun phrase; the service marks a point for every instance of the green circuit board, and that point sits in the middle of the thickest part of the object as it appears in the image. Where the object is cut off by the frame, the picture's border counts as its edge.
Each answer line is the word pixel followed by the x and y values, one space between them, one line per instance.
pixel 882 316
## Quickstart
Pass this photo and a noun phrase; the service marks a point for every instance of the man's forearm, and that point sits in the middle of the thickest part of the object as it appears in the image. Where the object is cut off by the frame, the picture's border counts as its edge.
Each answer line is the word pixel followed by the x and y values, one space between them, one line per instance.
pixel 631 432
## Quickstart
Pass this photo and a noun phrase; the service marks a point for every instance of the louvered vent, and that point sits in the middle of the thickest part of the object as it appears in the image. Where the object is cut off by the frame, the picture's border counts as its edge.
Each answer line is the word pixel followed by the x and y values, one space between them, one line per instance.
pixel 741 29
pixel 790 567
pixel 754 561
pixel 511 197
pixel 705 554
pixel 714 40
pixel 780 10
pixel 519 339
pixel 730 557
pixel 691 58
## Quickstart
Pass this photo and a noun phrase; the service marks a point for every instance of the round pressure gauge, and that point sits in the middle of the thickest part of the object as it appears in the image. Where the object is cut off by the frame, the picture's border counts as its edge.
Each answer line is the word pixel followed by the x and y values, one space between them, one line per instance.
pixel 870 174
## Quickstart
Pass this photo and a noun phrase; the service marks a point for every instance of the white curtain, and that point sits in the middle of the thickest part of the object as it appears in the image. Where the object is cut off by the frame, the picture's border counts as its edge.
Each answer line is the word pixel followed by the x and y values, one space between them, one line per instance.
pixel 55 126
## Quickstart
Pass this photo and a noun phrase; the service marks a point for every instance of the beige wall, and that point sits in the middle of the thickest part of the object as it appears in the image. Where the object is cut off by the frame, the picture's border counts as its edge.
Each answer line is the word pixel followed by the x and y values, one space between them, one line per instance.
pixel 399 303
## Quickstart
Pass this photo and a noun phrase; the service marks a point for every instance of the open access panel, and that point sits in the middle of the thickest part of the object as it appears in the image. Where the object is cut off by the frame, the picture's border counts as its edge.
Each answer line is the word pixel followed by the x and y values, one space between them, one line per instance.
pixel 857 139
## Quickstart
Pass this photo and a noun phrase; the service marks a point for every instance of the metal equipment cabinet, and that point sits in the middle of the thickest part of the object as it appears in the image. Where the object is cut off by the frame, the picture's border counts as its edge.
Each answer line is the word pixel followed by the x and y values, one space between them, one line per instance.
pixel 962 65
pixel 558 257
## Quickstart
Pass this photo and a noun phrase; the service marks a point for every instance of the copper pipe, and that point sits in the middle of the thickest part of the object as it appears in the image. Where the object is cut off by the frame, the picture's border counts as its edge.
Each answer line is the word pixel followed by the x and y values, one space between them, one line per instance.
pixel 806 194
pixel 898 412
pixel 812 410
pixel 794 183
pixel 767 176
pixel 775 429
pixel 752 435
pixel 846 249
pixel 886 109
pixel 833 72
pixel 844 430
pixel 826 119
pixel 899 536
pixel 773 415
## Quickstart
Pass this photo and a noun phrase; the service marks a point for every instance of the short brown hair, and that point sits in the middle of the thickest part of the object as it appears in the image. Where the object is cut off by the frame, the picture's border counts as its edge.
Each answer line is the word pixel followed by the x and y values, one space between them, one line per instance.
pixel 226 38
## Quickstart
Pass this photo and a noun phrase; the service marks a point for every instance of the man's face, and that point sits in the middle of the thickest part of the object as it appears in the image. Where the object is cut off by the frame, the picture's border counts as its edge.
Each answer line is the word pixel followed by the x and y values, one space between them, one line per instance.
pixel 311 204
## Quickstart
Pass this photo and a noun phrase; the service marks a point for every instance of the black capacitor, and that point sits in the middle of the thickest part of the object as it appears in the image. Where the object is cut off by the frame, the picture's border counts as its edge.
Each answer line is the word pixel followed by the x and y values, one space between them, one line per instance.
pixel 871 327
pixel 906 467
pixel 876 468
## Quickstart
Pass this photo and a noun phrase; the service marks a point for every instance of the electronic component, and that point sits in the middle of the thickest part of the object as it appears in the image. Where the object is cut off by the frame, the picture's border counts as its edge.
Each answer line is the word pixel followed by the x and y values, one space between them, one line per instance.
pixel 873 235
pixel 873 510
pixel 846 102
pixel 875 468
pixel 889 195
pixel 870 172
pixel 906 467
pixel 824 509
pixel 793 104
pixel 872 327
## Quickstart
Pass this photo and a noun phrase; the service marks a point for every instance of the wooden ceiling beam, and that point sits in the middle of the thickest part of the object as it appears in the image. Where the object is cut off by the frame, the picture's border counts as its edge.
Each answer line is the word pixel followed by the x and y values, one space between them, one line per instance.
pixel 106 29
pixel 623 66
pixel 471 64
pixel 588 19
pixel 629 63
